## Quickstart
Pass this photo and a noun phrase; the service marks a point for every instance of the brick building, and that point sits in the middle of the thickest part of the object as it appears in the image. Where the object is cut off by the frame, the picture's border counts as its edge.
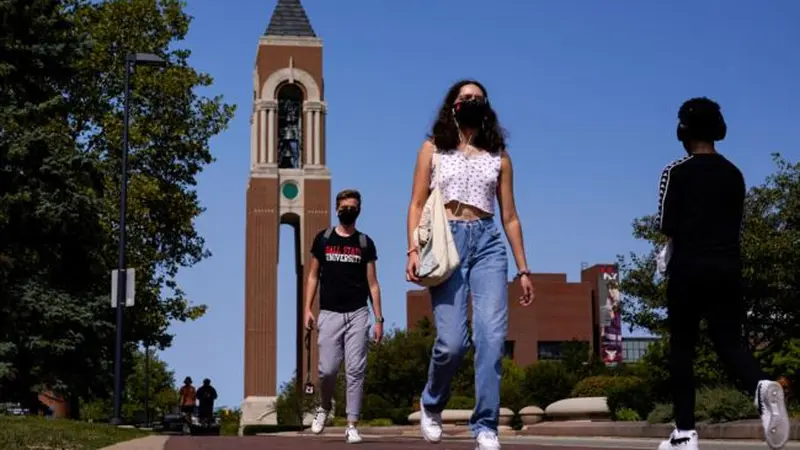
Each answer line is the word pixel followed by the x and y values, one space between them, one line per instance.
pixel 561 312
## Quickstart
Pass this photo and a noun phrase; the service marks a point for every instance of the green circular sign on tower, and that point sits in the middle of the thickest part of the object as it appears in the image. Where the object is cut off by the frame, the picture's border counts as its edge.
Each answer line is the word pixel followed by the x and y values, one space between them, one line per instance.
pixel 290 190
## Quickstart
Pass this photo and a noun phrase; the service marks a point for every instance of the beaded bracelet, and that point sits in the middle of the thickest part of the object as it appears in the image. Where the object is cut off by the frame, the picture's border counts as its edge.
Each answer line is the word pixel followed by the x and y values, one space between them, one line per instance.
pixel 522 272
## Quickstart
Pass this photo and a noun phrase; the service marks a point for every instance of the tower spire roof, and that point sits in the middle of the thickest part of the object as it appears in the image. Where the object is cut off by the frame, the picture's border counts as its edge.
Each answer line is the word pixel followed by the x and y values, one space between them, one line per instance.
pixel 289 19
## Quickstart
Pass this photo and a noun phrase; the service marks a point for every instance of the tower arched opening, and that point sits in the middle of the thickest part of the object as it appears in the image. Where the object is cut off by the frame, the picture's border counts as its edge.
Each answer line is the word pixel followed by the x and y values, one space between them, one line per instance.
pixel 290 126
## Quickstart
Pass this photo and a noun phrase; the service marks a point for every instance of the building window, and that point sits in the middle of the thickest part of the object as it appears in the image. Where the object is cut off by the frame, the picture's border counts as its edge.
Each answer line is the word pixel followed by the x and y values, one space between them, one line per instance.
pixel 508 350
pixel 290 133
pixel 549 350
pixel 634 348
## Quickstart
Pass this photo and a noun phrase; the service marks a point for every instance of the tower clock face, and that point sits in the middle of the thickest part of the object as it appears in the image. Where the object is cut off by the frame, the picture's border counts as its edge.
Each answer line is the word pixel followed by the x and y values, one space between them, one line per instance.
pixel 290 190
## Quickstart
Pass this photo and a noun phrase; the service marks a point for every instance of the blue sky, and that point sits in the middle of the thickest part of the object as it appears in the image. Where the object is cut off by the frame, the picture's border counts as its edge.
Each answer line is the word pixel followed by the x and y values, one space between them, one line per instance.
pixel 588 91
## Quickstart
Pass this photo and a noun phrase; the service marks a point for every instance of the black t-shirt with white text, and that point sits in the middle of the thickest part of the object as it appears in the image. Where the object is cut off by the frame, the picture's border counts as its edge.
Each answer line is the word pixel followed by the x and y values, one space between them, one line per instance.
pixel 343 271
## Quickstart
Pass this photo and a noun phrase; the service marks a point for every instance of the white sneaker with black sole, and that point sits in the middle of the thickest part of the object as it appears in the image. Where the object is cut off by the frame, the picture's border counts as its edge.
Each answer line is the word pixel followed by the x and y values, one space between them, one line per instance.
pixel 320 418
pixel 430 424
pixel 487 440
pixel 771 406
pixel 351 435
pixel 680 440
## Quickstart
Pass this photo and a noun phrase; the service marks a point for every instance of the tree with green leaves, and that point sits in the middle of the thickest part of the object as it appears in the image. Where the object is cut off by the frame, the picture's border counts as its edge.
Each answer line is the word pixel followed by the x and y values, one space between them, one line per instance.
pixel 50 240
pixel 61 87
pixel 170 129
pixel 770 256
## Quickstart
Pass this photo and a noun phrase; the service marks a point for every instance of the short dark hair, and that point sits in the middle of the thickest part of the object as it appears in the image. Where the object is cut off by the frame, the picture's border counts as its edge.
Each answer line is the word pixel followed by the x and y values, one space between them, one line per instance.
pixel 700 119
pixel 444 134
pixel 348 193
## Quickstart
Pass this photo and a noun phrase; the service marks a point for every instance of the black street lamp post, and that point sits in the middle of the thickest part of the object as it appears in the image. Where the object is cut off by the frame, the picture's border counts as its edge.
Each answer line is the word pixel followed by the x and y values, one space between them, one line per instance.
pixel 147 384
pixel 131 60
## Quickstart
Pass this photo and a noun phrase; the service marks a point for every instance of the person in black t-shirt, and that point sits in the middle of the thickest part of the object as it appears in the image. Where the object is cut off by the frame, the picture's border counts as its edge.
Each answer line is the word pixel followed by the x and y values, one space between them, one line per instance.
pixel 205 398
pixel 343 265
pixel 701 204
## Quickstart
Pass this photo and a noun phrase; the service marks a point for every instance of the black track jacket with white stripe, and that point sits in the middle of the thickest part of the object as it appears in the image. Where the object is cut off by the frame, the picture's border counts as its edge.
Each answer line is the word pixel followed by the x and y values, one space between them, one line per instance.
pixel 701 207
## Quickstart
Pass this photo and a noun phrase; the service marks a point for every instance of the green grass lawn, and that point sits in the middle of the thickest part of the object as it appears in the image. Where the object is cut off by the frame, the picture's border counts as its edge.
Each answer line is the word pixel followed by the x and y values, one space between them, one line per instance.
pixel 34 433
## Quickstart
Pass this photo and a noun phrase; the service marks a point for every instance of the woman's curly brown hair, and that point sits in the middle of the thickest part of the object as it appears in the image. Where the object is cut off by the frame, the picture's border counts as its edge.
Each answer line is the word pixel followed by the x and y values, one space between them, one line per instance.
pixel 444 134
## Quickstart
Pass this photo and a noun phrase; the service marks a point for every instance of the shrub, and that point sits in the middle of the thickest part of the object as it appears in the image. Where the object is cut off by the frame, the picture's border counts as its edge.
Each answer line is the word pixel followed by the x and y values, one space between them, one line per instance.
pixel 601 386
pixel 229 421
pixel 578 359
pixel 724 405
pixel 399 415
pixel 375 406
pixel 512 394
pixel 460 402
pixel 291 410
pixel 546 382
pixel 661 413
pixel 397 369
pixel 463 383
pixel 380 423
pixel 627 415
pixel 633 394
pixel 714 405
pixel 707 368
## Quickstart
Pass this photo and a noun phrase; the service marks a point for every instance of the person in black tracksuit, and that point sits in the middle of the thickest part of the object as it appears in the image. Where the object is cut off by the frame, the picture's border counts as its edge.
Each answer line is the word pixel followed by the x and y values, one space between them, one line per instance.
pixel 701 206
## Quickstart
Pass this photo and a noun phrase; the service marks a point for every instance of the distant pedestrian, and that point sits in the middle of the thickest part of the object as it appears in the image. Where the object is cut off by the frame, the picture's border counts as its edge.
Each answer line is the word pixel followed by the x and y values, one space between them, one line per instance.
pixel 701 211
pixel 205 397
pixel 188 396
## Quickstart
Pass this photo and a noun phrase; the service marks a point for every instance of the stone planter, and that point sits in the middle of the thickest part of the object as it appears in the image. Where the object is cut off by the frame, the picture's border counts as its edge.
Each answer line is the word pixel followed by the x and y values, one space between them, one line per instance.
pixel 460 417
pixel 449 417
pixel 504 421
pixel 530 415
pixel 586 408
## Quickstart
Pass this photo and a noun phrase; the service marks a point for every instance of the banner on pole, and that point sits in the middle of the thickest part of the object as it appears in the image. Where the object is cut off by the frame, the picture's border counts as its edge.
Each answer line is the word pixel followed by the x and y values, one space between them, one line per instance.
pixel 610 315
pixel 130 287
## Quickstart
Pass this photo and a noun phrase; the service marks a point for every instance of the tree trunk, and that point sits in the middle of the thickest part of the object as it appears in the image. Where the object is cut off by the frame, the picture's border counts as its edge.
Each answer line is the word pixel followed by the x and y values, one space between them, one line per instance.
pixel 74 406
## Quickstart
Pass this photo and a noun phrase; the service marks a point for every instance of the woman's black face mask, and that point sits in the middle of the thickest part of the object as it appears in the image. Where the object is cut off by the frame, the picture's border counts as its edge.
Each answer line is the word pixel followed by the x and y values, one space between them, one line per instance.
pixel 471 113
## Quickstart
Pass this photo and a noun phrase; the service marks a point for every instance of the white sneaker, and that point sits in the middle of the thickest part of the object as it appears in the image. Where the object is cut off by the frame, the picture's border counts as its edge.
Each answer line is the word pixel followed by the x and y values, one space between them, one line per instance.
pixel 487 440
pixel 351 435
pixel 771 407
pixel 319 421
pixel 431 424
pixel 680 440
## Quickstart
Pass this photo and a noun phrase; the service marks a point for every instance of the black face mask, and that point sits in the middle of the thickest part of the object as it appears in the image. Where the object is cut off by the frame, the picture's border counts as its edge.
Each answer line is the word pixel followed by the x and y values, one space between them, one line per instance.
pixel 348 216
pixel 471 113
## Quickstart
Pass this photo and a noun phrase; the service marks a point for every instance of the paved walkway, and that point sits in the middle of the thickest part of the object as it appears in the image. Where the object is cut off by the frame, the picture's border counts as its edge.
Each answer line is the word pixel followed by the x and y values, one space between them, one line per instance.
pixel 330 443
pixel 145 443
pixel 374 442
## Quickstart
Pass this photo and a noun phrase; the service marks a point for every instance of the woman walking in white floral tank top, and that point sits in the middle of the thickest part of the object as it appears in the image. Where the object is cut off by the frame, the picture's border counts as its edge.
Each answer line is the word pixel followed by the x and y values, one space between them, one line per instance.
pixel 474 170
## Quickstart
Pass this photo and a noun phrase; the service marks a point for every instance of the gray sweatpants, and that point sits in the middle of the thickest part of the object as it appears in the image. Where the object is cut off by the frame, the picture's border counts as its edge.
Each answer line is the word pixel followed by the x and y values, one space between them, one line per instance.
pixel 343 336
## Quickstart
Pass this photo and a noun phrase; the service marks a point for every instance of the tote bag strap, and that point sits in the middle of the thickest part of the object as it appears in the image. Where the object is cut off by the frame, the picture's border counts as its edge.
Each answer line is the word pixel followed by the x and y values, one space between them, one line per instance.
pixel 435 164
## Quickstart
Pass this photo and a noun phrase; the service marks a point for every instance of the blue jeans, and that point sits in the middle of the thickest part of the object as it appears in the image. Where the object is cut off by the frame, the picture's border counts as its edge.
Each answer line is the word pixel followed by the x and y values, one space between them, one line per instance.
pixel 483 274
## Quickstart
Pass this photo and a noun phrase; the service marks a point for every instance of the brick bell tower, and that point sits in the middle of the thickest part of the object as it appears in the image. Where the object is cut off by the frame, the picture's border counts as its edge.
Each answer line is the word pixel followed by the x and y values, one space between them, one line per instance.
pixel 289 184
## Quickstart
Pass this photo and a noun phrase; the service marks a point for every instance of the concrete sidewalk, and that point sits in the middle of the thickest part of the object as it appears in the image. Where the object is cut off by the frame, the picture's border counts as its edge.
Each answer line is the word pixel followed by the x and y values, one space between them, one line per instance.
pixel 635 444
pixel 145 443
pixel 744 430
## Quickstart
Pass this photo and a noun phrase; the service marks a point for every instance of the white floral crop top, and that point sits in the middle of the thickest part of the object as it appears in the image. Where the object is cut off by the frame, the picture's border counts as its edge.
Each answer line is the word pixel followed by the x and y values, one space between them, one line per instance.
pixel 469 180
